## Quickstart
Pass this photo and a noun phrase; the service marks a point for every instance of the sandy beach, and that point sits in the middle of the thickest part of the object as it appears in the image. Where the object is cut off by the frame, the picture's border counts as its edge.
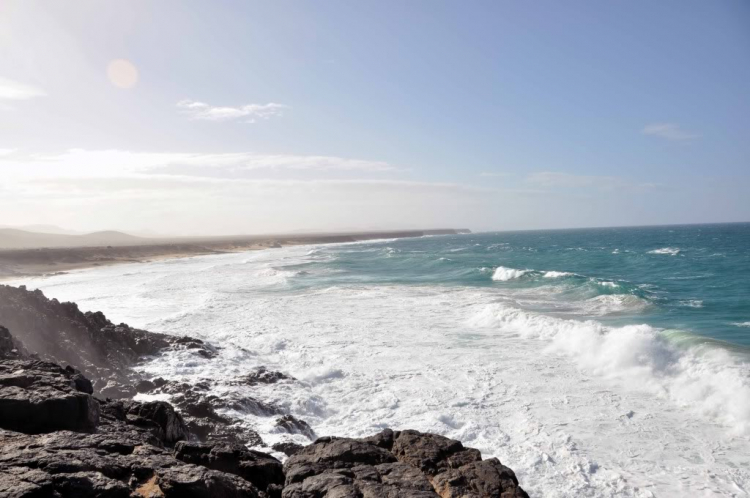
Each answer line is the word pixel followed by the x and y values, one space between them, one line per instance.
pixel 41 260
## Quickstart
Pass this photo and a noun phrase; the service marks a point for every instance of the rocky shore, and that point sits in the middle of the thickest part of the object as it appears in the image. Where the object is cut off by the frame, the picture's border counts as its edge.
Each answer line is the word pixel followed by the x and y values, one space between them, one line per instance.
pixel 69 426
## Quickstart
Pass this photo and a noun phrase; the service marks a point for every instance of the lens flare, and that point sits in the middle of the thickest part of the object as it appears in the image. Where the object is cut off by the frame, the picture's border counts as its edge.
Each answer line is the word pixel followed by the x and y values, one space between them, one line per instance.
pixel 122 73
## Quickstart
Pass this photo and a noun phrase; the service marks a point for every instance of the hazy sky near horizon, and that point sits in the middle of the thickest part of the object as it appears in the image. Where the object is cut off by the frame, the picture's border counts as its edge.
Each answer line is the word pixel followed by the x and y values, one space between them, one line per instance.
pixel 186 117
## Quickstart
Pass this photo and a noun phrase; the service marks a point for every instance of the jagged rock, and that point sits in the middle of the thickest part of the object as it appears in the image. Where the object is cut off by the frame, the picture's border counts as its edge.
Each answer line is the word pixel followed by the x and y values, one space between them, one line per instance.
pixel 145 386
pixel 101 351
pixel 170 423
pixel 38 397
pixel 199 408
pixel 262 375
pixel 262 470
pixel 391 464
pixel 10 347
pixel 486 478
pixel 235 433
pixel 287 448
pixel 431 453
pixel 66 463
pixel 293 425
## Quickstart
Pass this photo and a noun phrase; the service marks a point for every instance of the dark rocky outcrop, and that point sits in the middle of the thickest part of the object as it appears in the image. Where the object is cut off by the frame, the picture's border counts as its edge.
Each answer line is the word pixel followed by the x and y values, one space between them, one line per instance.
pixel 262 375
pixel 37 397
pixel 100 350
pixel 68 463
pixel 261 469
pixel 292 424
pixel 58 440
pixel 406 464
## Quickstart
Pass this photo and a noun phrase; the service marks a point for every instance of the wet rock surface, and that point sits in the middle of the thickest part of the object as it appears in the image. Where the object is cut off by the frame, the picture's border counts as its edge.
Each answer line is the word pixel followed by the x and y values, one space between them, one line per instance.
pixel 67 432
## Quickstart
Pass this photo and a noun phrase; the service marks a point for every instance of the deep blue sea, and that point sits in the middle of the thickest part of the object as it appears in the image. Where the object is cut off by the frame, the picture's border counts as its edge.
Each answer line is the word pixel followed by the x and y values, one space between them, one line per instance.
pixel 693 279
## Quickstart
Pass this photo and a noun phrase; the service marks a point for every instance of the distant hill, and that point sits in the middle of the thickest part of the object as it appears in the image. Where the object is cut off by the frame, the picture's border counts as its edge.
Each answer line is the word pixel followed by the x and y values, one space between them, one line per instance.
pixel 13 238
pixel 52 229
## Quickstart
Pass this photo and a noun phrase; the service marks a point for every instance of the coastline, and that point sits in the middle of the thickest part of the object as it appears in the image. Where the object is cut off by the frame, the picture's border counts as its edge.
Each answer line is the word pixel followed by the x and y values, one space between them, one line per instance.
pixel 80 430
pixel 42 261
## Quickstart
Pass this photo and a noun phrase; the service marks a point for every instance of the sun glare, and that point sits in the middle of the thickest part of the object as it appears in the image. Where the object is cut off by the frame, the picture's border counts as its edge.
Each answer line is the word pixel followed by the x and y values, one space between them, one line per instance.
pixel 122 73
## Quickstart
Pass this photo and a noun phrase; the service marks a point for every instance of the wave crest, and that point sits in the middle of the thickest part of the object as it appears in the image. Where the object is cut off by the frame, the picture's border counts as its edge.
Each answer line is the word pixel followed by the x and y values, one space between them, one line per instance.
pixel 503 274
pixel 670 251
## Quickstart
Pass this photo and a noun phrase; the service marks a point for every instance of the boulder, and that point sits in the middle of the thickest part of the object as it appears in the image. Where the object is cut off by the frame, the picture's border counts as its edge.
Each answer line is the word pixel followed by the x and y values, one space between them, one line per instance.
pixel 407 464
pixel 38 397
pixel 260 469
pixel 293 425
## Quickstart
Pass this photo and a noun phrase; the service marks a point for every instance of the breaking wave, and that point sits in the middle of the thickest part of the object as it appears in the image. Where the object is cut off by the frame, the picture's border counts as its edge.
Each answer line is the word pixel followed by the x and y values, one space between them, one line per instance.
pixel 503 274
pixel 702 377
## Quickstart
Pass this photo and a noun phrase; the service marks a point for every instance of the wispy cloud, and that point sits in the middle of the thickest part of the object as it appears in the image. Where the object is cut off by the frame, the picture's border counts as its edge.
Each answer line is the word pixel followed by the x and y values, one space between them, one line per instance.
pixel 81 162
pixel 493 174
pixel 559 180
pixel 13 90
pixel 249 112
pixel 670 131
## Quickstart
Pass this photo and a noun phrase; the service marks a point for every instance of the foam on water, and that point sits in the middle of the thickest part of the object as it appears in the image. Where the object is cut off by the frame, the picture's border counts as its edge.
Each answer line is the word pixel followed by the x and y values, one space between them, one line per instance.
pixel 671 251
pixel 576 407
pixel 557 274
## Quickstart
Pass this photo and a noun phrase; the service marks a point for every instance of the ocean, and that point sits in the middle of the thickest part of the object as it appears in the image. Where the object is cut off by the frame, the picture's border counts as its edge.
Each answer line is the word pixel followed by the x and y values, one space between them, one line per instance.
pixel 594 362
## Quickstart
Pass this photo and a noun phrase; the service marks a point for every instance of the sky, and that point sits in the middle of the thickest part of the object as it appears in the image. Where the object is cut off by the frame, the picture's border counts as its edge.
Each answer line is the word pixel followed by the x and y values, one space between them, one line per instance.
pixel 226 117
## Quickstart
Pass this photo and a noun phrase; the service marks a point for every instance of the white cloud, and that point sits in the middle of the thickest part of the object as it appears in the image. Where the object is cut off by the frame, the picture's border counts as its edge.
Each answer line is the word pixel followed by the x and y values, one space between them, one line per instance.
pixel 83 162
pixel 178 192
pixel 252 112
pixel 13 90
pixel 670 131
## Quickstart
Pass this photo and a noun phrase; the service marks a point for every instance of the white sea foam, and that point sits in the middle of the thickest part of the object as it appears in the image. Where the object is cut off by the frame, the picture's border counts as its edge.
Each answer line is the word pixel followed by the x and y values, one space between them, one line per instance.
pixel 574 407
pixel 557 274
pixel 742 324
pixel 606 283
pixel 613 303
pixel 692 303
pixel 503 274
pixel 671 251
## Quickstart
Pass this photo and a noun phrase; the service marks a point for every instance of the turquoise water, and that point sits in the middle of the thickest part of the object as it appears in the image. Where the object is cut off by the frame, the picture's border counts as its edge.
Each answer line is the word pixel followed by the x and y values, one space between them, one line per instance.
pixel 692 280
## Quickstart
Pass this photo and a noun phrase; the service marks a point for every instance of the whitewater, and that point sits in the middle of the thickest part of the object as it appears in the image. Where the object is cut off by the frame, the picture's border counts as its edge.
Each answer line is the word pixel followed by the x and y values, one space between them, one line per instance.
pixel 585 377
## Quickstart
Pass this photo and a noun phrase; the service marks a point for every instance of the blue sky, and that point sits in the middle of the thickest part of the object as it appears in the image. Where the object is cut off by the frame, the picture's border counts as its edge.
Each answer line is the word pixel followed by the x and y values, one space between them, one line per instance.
pixel 253 116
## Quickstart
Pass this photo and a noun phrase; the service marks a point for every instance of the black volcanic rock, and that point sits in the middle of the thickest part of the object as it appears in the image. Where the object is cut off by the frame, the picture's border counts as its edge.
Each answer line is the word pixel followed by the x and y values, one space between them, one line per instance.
pixel 103 352
pixel 292 424
pixel 264 471
pixel 287 448
pixel 405 464
pixel 38 397
pixel 262 375
pixel 67 463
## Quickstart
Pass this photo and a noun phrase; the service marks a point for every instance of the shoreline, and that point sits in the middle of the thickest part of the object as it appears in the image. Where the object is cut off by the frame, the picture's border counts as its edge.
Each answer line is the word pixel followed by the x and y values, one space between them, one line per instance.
pixel 46 261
